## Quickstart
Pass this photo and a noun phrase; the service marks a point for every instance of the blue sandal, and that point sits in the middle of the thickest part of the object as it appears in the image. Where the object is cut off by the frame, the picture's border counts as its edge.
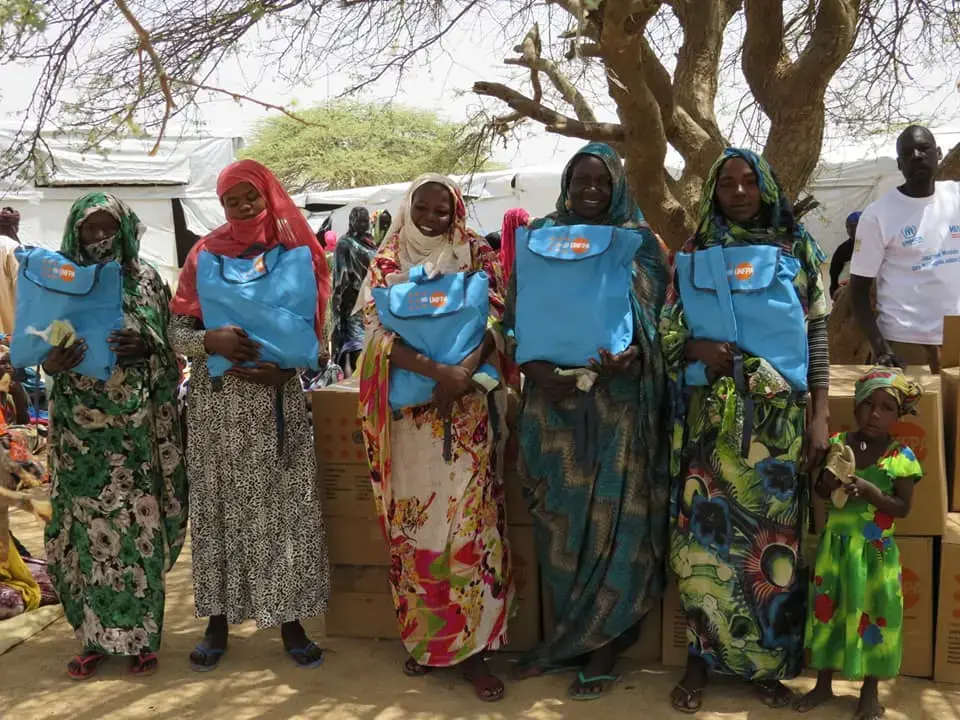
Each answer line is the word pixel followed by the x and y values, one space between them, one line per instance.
pixel 299 656
pixel 605 682
pixel 207 654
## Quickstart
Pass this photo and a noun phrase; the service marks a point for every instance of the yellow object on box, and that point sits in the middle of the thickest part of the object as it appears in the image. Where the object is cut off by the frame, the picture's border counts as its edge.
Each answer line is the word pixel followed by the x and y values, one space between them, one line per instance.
pixel 922 432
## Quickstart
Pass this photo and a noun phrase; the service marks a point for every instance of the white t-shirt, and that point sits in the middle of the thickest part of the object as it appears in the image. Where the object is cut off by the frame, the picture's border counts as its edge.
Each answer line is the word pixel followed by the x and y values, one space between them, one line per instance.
pixel 912 247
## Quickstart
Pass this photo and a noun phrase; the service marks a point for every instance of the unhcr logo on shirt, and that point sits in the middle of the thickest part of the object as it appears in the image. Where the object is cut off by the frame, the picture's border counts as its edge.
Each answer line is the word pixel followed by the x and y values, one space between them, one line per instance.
pixel 910 237
pixel 955 232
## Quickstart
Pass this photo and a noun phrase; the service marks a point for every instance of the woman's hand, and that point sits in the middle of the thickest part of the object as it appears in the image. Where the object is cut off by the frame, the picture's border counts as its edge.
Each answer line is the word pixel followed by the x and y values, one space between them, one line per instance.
pixel 717 356
pixel 611 364
pixel 63 359
pixel 128 345
pixel 232 343
pixel 556 388
pixel 266 374
pixel 817 441
pixel 453 382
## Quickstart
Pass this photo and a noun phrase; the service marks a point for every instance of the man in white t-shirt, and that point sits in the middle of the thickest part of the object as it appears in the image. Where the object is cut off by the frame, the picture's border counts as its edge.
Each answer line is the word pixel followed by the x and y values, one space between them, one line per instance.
pixel 908 241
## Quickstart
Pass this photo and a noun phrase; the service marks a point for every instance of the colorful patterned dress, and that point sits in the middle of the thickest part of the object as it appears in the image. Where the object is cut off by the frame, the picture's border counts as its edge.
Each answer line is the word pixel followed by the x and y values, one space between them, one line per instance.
pixel 855 622
pixel 736 522
pixel 444 522
pixel 601 533
pixel 116 463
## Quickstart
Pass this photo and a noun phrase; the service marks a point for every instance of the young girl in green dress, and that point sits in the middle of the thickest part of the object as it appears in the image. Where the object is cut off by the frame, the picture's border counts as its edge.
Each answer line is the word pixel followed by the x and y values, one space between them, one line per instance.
pixel 855 623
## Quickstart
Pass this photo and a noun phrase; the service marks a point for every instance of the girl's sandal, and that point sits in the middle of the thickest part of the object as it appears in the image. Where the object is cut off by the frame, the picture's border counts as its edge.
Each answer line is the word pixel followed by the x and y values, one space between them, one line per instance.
pixel 84 667
pixel 144 664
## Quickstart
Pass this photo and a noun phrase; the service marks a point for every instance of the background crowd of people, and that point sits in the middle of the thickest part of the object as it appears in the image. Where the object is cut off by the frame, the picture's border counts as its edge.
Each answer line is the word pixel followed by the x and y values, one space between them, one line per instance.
pixel 683 450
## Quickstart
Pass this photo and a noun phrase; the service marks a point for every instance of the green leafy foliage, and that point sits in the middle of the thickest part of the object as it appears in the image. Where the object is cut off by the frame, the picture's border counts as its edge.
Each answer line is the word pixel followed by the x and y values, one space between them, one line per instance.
pixel 350 144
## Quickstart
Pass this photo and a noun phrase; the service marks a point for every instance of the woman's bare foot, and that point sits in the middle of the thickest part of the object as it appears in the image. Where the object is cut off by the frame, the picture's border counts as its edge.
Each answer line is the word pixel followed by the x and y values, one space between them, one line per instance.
pixel 820 695
pixel 687 696
pixel 869 707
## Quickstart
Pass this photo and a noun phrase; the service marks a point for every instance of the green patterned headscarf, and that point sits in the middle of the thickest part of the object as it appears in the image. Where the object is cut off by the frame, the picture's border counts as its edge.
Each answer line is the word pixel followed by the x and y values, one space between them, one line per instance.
pixel 623 210
pixel 893 381
pixel 126 243
pixel 776 218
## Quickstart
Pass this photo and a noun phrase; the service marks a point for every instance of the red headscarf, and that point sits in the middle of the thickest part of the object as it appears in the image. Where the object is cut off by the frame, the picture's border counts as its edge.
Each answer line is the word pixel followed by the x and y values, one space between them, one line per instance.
pixel 281 223
pixel 512 220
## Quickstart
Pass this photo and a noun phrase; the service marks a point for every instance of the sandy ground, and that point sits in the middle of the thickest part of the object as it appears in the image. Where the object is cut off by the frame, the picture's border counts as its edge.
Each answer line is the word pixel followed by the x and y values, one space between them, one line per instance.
pixel 360 680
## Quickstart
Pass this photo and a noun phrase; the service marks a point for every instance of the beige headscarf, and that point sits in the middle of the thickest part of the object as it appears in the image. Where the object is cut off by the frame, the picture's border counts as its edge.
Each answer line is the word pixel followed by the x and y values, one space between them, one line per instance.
pixel 405 243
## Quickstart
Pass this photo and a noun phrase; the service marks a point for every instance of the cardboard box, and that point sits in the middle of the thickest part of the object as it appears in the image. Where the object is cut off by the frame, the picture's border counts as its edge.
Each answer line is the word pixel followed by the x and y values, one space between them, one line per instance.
pixel 950 379
pixel 524 628
pixel 353 541
pixel 950 350
pixel 923 432
pixel 675 644
pixel 336 427
pixel 361 604
pixel 916 557
pixel 946 665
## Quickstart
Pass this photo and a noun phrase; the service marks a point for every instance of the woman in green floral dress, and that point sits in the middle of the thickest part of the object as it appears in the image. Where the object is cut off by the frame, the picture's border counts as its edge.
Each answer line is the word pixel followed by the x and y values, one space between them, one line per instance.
pixel 116 458
pixel 738 493
pixel 856 615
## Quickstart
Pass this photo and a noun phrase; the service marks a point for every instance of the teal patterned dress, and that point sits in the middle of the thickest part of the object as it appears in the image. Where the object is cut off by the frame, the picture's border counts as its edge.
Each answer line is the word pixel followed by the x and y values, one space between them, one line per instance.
pixel 855 624
pixel 601 534
pixel 119 488
pixel 736 522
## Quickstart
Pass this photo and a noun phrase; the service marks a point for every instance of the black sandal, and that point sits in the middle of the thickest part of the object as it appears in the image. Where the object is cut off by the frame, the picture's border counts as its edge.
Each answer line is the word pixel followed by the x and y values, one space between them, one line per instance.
pixel 411 668
pixel 688 701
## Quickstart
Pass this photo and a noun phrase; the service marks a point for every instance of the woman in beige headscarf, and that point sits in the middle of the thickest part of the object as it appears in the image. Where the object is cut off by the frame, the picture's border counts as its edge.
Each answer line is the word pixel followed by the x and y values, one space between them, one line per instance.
pixel 444 521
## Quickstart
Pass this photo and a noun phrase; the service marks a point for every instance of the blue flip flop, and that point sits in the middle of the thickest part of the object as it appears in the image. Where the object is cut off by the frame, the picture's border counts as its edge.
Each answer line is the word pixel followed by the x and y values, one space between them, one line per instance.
pixel 607 680
pixel 207 653
pixel 297 653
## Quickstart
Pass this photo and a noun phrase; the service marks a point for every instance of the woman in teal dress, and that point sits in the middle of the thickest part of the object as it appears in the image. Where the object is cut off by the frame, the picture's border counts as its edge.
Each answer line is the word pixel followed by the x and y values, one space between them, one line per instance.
pixel 600 533
pixel 738 494
pixel 119 487
pixel 855 623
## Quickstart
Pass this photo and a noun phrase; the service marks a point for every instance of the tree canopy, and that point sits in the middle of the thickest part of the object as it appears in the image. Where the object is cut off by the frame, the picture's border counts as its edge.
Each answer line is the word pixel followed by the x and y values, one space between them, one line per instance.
pixel 349 144
pixel 667 66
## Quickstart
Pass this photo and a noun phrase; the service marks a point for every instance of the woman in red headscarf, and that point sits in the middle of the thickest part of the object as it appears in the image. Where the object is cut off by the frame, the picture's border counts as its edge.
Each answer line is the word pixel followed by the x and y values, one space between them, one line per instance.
pixel 259 543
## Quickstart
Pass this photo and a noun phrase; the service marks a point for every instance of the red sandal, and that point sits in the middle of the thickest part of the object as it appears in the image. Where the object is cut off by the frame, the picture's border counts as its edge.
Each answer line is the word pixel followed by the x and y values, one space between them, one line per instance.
pixel 144 664
pixel 84 667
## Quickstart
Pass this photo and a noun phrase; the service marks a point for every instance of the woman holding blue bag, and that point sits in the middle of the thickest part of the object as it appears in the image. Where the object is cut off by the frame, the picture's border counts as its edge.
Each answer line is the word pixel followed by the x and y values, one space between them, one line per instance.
pixel 115 457
pixel 433 437
pixel 258 538
pixel 585 295
pixel 744 336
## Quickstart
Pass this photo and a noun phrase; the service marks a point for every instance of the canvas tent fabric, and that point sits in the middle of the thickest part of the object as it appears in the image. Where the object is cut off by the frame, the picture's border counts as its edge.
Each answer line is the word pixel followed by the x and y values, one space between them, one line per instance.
pixel 184 168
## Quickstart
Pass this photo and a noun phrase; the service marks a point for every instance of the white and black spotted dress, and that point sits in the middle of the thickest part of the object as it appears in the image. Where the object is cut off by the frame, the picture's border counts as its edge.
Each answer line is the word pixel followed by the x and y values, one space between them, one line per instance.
pixel 258 538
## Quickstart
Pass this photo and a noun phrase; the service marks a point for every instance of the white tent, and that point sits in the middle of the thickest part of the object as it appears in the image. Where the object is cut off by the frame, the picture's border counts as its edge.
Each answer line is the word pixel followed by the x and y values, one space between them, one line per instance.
pixel 840 188
pixel 183 169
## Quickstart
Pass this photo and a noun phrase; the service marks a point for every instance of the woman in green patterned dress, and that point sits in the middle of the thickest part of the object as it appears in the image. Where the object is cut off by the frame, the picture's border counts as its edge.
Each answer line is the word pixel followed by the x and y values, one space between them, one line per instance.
pixel 738 494
pixel 856 617
pixel 116 458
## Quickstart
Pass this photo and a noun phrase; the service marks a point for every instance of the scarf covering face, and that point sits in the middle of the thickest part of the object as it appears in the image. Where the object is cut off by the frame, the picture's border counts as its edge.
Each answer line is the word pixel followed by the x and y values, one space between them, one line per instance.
pixel 623 210
pixel 124 247
pixel 356 215
pixel 774 222
pixel 281 223
pixel 10 223
pixel 513 220
pixel 894 382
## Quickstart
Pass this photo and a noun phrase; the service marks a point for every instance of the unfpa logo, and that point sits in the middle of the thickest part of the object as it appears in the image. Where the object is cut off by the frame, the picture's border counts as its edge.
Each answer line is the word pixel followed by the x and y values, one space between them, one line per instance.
pixel 913 436
pixel 68 273
pixel 743 271
pixel 54 271
pixel 579 246
pixel 438 299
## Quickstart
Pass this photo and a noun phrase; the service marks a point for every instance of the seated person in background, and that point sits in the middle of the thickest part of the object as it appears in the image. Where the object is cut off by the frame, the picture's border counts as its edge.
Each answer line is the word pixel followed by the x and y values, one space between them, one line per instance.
pixel 908 240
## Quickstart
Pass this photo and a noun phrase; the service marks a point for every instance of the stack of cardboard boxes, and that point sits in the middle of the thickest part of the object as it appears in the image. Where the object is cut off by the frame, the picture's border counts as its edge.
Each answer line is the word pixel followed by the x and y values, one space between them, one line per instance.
pixel 361 604
pixel 947 655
